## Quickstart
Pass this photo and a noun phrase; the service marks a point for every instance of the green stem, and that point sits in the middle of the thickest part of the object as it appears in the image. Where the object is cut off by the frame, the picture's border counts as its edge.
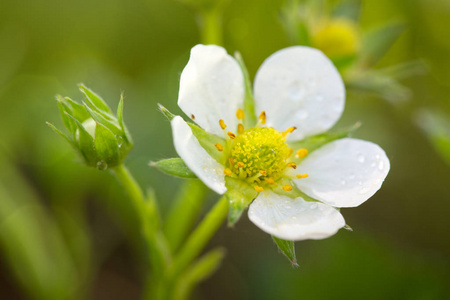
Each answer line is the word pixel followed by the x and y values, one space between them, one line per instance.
pixel 156 242
pixel 211 27
pixel 200 237
pixel 184 212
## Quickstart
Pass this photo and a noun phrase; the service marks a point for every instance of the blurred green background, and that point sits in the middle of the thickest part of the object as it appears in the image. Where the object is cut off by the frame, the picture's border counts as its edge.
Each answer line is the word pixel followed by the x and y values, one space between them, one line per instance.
pixel 400 247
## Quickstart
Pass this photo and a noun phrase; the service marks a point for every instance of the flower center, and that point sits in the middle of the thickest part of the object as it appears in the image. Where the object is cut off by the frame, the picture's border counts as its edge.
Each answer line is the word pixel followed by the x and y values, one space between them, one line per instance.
pixel 259 152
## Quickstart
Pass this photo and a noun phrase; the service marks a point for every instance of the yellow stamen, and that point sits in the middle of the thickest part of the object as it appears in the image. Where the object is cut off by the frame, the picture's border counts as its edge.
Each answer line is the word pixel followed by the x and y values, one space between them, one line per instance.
pixel 300 176
pixel 227 172
pixel 270 180
pixel 222 124
pixel 240 128
pixel 302 153
pixel 293 165
pixel 219 146
pixel 240 114
pixel 287 188
pixel 290 152
pixel 231 135
pixel 231 161
pixel 289 130
pixel 262 172
pixel 240 164
pixel 259 189
pixel 262 117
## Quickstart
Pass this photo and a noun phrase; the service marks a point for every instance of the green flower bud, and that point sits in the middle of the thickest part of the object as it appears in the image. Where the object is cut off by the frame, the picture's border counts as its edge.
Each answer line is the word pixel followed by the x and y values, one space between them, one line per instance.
pixel 100 137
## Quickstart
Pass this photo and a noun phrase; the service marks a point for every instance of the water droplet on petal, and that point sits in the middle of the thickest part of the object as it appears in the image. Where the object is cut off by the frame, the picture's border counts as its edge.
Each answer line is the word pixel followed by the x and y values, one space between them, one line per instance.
pixel 364 190
pixel 343 182
pixel 361 158
pixel 296 92
pixel 313 206
pixel 102 165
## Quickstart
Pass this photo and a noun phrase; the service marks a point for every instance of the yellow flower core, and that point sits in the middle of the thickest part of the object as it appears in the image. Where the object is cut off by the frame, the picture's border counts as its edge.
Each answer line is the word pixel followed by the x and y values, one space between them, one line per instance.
pixel 259 153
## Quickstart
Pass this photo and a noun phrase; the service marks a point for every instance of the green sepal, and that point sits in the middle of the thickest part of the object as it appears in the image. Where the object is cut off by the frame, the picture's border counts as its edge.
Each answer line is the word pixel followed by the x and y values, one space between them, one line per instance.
pixel 348 228
pixel 174 166
pixel 79 112
pixel 95 101
pixel 69 140
pixel 287 248
pixel 239 195
pixel 350 9
pixel 166 112
pixel 107 147
pixel 99 118
pixel 316 141
pixel 377 42
pixel 208 141
pixel 86 144
pixel 120 112
pixel 249 101
pixel 65 110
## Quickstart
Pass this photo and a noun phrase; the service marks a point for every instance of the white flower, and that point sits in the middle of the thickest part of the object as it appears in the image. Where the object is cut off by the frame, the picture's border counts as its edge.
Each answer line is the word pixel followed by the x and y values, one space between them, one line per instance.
pixel 298 93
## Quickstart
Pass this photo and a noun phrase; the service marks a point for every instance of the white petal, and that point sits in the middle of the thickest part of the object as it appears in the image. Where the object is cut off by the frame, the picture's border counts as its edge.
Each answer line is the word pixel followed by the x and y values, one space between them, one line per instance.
pixel 294 219
pixel 299 86
pixel 196 158
pixel 211 88
pixel 344 173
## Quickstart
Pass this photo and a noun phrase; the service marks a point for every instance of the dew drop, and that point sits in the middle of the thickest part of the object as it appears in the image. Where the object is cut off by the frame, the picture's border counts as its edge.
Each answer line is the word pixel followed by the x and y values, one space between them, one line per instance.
pixel 343 182
pixel 361 158
pixel 296 92
pixel 102 165
pixel 120 141
pixel 313 206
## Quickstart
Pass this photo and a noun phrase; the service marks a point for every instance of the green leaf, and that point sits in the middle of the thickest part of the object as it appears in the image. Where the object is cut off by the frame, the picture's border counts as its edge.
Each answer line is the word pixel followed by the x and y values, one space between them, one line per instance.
pixel 287 248
pixel 199 271
pixel 350 9
pixel 239 195
pixel 208 141
pixel 315 142
pixel 175 167
pixel 377 42
pixel 166 112
pixel 249 101
pixel 95 100
pixel 106 147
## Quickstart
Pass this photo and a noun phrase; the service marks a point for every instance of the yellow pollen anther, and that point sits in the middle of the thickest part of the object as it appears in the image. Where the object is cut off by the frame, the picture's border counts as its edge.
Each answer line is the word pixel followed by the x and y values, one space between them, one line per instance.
pixel 219 146
pixel 258 188
pixel 240 164
pixel 231 161
pixel 270 180
pixel 289 130
pixel 293 165
pixel 262 172
pixel 240 114
pixel 302 153
pixel 300 176
pixel 231 135
pixel 240 128
pixel 222 124
pixel 227 172
pixel 262 117
pixel 287 188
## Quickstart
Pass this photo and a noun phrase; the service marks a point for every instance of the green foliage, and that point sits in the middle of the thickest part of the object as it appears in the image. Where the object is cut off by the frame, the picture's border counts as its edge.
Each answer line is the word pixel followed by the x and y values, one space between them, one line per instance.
pixel 287 248
pixel 175 167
